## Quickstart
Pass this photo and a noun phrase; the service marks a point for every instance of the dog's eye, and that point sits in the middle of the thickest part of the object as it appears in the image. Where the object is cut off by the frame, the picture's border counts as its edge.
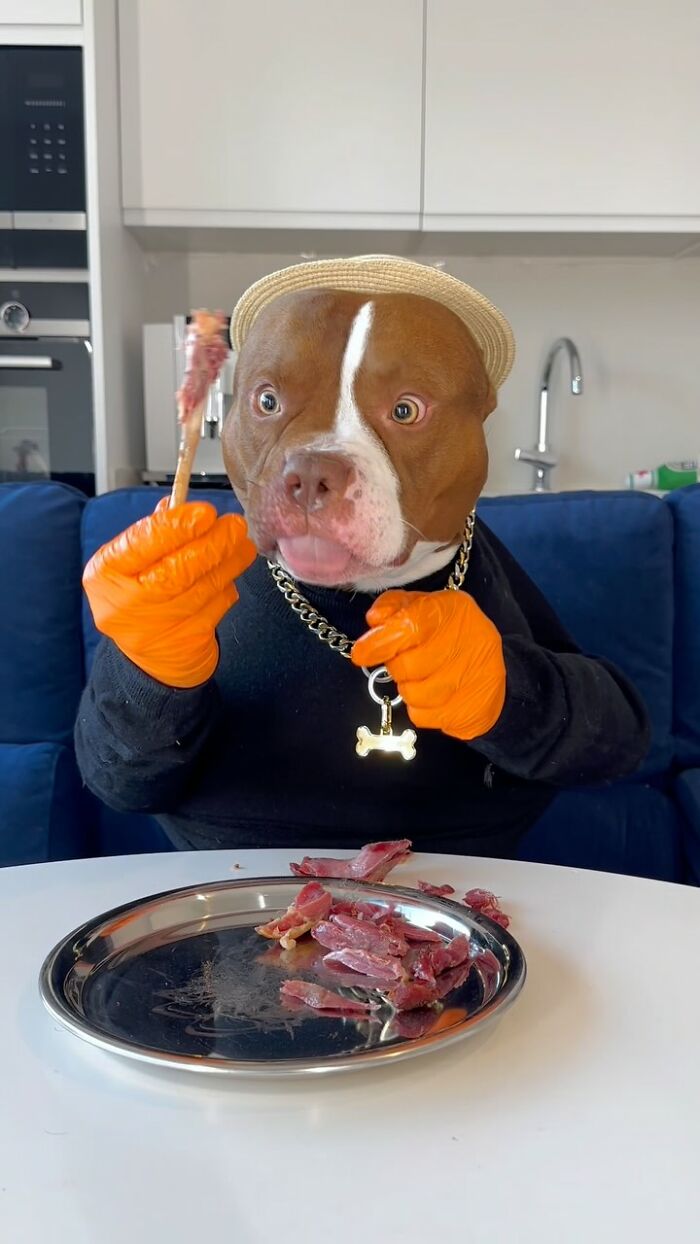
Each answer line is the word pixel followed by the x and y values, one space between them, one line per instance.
pixel 408 410
pixel 267 402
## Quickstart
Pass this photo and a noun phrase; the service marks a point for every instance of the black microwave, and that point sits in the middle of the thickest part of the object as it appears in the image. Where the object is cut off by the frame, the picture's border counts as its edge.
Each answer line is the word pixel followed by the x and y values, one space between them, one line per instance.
pixel 42 158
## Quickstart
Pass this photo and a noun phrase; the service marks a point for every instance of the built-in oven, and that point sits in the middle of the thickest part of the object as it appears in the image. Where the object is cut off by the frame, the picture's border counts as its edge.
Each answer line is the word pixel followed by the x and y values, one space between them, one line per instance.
pixel 46 422
pixel 42 158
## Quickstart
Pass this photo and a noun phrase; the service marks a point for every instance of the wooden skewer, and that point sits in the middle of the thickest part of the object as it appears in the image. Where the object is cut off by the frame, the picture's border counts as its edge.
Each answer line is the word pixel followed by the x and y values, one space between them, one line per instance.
pixel 189 439
pixel 205 354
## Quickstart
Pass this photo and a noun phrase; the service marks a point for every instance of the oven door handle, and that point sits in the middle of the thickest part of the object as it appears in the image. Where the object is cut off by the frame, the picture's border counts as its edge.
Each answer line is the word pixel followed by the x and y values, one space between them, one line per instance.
pixel 29 362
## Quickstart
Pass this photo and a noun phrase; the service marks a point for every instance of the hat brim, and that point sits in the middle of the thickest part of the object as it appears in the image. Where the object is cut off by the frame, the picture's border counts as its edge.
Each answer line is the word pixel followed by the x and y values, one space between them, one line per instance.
pixel 386 274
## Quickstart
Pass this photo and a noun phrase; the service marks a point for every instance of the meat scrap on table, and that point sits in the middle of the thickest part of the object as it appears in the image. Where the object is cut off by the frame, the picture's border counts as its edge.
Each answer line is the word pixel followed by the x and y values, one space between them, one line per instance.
pixel 436 891
pixel 372 863
pixel 481 901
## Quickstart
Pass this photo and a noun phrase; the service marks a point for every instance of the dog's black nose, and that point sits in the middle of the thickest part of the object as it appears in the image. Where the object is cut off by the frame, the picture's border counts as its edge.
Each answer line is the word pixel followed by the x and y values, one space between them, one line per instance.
pixel 313 480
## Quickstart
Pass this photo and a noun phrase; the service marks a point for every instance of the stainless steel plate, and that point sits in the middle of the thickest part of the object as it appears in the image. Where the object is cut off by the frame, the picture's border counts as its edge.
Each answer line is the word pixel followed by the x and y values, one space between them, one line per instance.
pixel 181 979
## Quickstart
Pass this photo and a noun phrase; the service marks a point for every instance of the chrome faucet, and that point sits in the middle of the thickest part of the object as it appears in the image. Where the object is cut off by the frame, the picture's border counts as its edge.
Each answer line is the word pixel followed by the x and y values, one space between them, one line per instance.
pixel 541 457
pixel 213 419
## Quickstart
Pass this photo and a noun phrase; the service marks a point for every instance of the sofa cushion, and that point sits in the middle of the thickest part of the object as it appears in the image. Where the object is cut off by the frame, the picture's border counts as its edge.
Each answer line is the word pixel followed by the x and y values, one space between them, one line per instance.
pixel 42 811
pixel 41 660
pixel 106 516
pixel 685 507
pixel 687 790
pixel 129 833
pixel 630 829
pixel 605 563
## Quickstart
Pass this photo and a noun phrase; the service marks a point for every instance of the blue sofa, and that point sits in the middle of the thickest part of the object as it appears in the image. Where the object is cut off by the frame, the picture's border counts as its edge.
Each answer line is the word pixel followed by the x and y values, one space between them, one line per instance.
pixel 620 568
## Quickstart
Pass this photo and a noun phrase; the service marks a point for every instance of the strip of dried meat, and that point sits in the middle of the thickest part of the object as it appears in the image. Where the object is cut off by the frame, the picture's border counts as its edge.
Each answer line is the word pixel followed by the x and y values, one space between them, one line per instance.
pixel 480 898
pixel 320 999
pixel 487 904
pixel 412 932
pixel 378 913
pixel 381 968
pixel 411 1025
pixel 372 863
pixel 436 891
pixel 381 939
pixel 311 905
pixel 342 931
pixel 430 961
pixel 412 994
pixel 329 935
pixel 368 911
pixel 498 916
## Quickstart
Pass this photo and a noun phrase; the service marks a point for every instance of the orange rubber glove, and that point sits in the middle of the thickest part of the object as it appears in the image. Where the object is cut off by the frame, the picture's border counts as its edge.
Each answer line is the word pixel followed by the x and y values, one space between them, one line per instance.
pixel 445 656
pixel 160 588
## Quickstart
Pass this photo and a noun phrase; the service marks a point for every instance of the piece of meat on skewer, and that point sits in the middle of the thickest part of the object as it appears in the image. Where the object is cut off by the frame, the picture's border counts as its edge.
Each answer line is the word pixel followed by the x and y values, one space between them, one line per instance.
pixel 372 863
pixel 206 350
pixel 325 1000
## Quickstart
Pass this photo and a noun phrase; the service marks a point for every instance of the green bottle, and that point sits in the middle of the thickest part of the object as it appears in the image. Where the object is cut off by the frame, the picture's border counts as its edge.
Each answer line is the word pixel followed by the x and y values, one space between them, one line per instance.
pixel 666 477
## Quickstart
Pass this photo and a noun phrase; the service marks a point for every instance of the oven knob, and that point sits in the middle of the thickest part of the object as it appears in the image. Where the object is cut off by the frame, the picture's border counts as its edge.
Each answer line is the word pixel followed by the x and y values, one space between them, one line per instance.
pixel 15 316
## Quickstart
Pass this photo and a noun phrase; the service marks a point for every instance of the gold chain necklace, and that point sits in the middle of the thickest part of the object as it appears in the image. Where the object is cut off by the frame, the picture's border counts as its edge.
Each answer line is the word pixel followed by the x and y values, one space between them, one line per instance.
pixel 386 741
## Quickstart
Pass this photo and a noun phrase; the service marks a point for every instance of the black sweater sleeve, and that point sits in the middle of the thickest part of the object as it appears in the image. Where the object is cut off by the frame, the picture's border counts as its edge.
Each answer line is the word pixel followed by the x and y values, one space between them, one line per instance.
pixel 568 719
pixel 138 741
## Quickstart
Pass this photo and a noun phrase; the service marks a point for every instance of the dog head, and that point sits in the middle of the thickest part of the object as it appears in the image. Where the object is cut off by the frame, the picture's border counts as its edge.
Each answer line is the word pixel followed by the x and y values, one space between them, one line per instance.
pixel 355 440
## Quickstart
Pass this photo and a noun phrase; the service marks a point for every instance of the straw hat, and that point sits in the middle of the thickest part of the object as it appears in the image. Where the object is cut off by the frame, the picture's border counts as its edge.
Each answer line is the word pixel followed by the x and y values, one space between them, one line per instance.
pixel 387 274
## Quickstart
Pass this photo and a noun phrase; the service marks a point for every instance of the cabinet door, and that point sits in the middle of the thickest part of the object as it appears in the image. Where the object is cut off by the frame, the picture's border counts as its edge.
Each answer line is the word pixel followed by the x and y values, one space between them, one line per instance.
pixel 544 109
pixel 41 12
pixel 271 112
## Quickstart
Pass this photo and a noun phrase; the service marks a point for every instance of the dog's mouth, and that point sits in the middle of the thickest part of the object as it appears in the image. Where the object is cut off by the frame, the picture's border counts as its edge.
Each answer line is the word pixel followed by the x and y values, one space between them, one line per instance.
pixel 323 562
pixel 315 559
pixel 326 523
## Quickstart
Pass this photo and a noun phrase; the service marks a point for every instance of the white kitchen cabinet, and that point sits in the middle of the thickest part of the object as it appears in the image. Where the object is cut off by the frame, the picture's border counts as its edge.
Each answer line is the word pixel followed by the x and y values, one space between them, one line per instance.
pixel 551 115
pixel 275 112
pixel 41 12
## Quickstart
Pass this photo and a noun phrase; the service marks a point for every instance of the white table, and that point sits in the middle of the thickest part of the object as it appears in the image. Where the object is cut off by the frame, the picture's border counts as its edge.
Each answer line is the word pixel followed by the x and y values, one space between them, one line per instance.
pixel 575 1119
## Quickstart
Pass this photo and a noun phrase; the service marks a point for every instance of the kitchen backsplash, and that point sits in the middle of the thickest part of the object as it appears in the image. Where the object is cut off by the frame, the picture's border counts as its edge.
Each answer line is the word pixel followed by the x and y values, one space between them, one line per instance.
pixel 636 323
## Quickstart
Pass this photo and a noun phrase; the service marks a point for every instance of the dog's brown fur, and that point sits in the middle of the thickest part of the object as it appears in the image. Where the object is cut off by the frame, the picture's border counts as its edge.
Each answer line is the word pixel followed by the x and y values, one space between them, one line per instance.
pixel 416 346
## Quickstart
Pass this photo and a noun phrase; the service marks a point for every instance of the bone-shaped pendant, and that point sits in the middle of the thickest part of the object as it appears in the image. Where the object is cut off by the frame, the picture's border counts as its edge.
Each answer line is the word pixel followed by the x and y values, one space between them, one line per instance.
pixel 399 744
pixel 386 741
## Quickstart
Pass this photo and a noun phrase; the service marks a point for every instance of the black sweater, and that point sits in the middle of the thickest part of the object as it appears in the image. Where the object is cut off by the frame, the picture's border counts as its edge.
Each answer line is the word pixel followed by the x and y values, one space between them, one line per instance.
pixel 264 753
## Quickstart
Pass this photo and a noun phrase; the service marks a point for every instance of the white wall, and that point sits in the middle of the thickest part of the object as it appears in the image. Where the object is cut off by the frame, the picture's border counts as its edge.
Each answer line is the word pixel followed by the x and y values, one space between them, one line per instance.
pixel 636 322
pixel 117 266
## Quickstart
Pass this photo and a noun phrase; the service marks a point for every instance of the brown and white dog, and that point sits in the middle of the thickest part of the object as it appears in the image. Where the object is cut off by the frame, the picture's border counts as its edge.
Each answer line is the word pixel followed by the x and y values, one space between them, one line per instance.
pixel 356 444
pixel 355 440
